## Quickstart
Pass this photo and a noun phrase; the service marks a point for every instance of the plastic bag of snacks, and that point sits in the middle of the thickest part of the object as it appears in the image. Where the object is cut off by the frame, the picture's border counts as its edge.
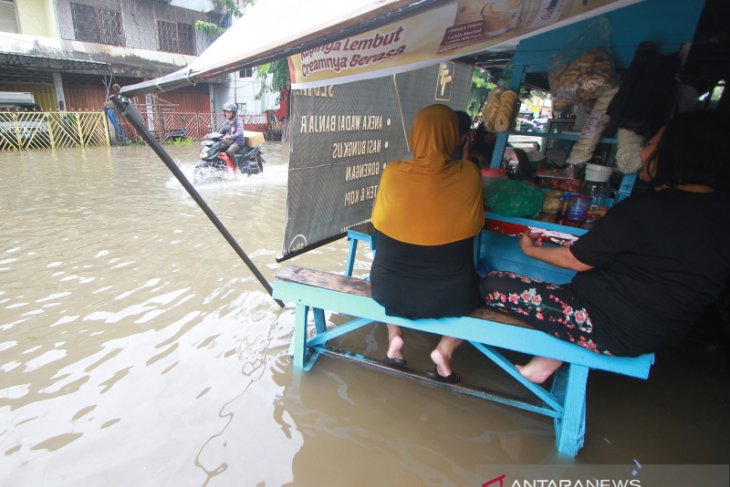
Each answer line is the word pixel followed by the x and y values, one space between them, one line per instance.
pixel 584 69
pixel 513 198
pixel 590 135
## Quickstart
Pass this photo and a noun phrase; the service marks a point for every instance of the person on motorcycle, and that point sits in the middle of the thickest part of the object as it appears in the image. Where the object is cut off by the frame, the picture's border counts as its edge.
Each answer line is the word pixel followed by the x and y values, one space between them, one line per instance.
pixel 233 131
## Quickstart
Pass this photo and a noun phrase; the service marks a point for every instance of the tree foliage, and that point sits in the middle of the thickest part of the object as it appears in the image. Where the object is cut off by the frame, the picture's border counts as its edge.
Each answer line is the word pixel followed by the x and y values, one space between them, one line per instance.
pixel 279 70
pixel 231 7
pixel 481 84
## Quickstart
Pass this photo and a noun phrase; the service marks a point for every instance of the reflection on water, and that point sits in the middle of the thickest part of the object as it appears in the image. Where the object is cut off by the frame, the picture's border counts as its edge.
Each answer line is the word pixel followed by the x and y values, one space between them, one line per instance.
pixel 136 348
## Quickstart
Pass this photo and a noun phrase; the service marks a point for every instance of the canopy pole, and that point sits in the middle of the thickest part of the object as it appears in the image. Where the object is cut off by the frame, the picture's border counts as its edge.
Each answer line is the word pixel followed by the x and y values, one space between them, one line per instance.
pixel 131 114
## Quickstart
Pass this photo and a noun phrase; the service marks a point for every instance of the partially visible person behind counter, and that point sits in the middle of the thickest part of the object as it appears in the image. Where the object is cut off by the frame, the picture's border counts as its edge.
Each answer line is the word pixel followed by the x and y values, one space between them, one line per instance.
pixel 426 213
pixel 483 147
pixel 466 138
pixel 648 269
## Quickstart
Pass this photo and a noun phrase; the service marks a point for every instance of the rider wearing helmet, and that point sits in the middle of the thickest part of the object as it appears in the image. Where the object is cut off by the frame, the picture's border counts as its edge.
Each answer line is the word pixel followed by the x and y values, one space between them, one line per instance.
pixel 232 130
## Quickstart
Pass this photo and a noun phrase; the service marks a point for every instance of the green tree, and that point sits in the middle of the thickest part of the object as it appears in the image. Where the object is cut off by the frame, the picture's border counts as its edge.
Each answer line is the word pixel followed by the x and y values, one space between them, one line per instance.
pixel 279 70
pixel 481 84
pixel 231 7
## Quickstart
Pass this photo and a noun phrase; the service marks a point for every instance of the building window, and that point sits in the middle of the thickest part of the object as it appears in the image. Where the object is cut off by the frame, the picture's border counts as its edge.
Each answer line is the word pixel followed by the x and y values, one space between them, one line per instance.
pixel 7 17
pixel 176 37
pixel 246 73
pixel 97 25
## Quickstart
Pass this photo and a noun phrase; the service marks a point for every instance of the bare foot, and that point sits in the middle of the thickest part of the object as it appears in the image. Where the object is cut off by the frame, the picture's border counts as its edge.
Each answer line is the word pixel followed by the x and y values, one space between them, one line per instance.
pixel 395 347
pixel 539 369
pixel 442 361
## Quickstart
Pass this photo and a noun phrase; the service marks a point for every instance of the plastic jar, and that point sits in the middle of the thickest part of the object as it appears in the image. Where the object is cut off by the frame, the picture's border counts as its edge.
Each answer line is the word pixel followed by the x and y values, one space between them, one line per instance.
pixel 598 173
pixel 594 189
pixel 576 210
pixel 596 184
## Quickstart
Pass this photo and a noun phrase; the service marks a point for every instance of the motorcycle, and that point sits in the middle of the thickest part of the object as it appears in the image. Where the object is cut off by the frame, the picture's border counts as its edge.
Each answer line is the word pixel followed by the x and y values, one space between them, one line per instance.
pixel 249 161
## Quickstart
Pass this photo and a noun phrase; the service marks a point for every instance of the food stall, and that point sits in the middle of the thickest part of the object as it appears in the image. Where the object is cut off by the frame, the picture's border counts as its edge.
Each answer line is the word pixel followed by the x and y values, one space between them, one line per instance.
pixel 340 67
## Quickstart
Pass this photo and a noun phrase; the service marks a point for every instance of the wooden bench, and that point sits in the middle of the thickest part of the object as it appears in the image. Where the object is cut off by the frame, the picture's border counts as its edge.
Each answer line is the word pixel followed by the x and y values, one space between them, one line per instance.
pixel 485 329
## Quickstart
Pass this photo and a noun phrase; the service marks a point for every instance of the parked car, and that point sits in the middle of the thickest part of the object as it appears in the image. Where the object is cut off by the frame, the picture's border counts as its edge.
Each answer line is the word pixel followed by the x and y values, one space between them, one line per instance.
pixel 29 129
pixel 22 123
pixel 528 126
pixel 541 122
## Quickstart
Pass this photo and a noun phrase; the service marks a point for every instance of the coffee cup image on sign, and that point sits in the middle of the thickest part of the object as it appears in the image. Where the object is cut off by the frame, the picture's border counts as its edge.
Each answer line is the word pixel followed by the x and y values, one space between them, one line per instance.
pixel 500 16
pixel 469 11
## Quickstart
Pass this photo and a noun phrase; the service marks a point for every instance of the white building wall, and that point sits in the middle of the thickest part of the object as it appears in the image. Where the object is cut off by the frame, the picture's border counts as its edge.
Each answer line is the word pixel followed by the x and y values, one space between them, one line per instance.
pixel 198 5
pixel 139 20
pixel 243 91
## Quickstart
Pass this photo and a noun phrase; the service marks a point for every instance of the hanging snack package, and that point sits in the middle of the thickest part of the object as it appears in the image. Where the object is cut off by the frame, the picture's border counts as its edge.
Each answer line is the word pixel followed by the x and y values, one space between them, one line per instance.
pixel 489 113
pixel 505 112
pixel 591 133
pixel 499 110
pixel 584 69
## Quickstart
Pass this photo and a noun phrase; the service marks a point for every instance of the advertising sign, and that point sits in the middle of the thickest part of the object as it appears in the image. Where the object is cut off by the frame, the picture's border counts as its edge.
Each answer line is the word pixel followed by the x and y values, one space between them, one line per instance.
pixel 342 138
pixel 458 28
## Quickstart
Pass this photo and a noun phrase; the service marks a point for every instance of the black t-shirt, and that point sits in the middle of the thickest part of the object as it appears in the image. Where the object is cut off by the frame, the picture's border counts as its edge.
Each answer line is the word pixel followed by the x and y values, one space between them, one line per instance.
pixel 659 260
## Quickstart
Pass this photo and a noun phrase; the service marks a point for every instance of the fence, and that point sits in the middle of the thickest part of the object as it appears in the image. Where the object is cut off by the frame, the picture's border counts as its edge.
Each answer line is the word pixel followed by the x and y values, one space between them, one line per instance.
pixel 169 124
pixel 36 130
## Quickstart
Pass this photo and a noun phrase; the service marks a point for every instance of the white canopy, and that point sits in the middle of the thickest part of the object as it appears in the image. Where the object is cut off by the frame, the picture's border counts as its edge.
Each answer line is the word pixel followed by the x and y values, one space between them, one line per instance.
pixel 336 41
pixel 273 29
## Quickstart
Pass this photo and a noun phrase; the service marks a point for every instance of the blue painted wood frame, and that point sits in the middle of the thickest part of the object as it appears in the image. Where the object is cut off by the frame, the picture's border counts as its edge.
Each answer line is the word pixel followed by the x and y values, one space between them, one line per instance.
pixel 565 403
pixel 354 236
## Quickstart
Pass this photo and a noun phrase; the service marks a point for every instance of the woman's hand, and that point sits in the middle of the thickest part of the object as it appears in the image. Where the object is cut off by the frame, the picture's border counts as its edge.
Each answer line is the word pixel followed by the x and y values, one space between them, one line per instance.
pixel 528 242
pixel 557 256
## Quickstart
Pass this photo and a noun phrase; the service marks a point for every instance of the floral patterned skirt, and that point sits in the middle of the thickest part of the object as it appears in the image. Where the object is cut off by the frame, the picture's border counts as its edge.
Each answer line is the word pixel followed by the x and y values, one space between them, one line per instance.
pixel 548 307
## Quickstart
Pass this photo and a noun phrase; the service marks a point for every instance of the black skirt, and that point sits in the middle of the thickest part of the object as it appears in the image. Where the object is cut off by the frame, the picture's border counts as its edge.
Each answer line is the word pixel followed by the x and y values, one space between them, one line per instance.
pixel 418 281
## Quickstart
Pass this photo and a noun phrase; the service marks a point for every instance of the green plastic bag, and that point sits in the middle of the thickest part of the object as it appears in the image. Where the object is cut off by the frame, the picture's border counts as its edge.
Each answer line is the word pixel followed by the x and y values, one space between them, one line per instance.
pixel 513 198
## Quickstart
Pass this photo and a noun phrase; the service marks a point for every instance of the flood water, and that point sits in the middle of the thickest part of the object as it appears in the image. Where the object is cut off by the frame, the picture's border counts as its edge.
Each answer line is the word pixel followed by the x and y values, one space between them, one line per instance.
pixel 137 349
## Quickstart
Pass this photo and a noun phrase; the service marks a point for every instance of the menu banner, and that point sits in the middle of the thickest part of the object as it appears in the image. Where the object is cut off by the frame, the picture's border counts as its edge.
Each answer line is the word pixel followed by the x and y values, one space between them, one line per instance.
pixel 456 28
pixel 343 136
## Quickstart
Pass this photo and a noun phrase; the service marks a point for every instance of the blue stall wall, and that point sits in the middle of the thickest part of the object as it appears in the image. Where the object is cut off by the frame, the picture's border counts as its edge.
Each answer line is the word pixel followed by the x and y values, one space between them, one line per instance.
pixel 668 23
pixel 498 252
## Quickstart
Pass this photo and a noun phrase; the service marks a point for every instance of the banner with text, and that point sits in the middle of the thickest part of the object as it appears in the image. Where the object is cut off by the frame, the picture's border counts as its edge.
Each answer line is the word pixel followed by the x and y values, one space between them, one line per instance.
pixel 455 29
pixel 343 136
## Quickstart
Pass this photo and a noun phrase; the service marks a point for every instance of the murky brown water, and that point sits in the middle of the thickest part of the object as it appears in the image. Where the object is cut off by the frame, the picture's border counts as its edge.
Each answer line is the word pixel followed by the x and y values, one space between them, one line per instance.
pixel 136 349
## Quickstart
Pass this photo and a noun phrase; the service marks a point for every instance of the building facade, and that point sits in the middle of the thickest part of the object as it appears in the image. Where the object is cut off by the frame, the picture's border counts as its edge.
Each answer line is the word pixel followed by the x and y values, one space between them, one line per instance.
pixel 68 53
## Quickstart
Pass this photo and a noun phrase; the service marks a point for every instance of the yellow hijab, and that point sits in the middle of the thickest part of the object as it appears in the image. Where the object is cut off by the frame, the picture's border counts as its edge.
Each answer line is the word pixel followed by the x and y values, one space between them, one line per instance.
pixel 431 199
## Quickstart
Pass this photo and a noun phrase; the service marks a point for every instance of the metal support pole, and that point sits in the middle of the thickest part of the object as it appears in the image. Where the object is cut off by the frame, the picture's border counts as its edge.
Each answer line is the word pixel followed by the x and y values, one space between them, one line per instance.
pixel 131 114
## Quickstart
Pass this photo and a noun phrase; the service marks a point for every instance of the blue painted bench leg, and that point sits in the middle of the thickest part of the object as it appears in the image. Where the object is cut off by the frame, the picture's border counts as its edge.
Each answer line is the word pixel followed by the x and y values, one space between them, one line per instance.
pixel 319 323
pixel 300 336
pixel 570 387
pixel 351 257
pixel 304 357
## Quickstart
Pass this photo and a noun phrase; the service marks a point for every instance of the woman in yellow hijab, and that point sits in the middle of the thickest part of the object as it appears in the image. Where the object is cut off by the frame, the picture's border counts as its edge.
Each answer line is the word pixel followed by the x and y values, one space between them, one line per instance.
pixel 427 212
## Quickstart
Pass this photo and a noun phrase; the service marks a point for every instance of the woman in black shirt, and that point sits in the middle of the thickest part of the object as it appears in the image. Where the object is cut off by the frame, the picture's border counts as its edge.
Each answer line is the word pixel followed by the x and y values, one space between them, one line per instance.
pixel 647 269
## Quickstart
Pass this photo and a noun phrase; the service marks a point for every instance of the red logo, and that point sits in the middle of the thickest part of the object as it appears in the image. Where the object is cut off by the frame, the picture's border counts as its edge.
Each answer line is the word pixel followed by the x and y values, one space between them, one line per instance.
pixel 494 481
